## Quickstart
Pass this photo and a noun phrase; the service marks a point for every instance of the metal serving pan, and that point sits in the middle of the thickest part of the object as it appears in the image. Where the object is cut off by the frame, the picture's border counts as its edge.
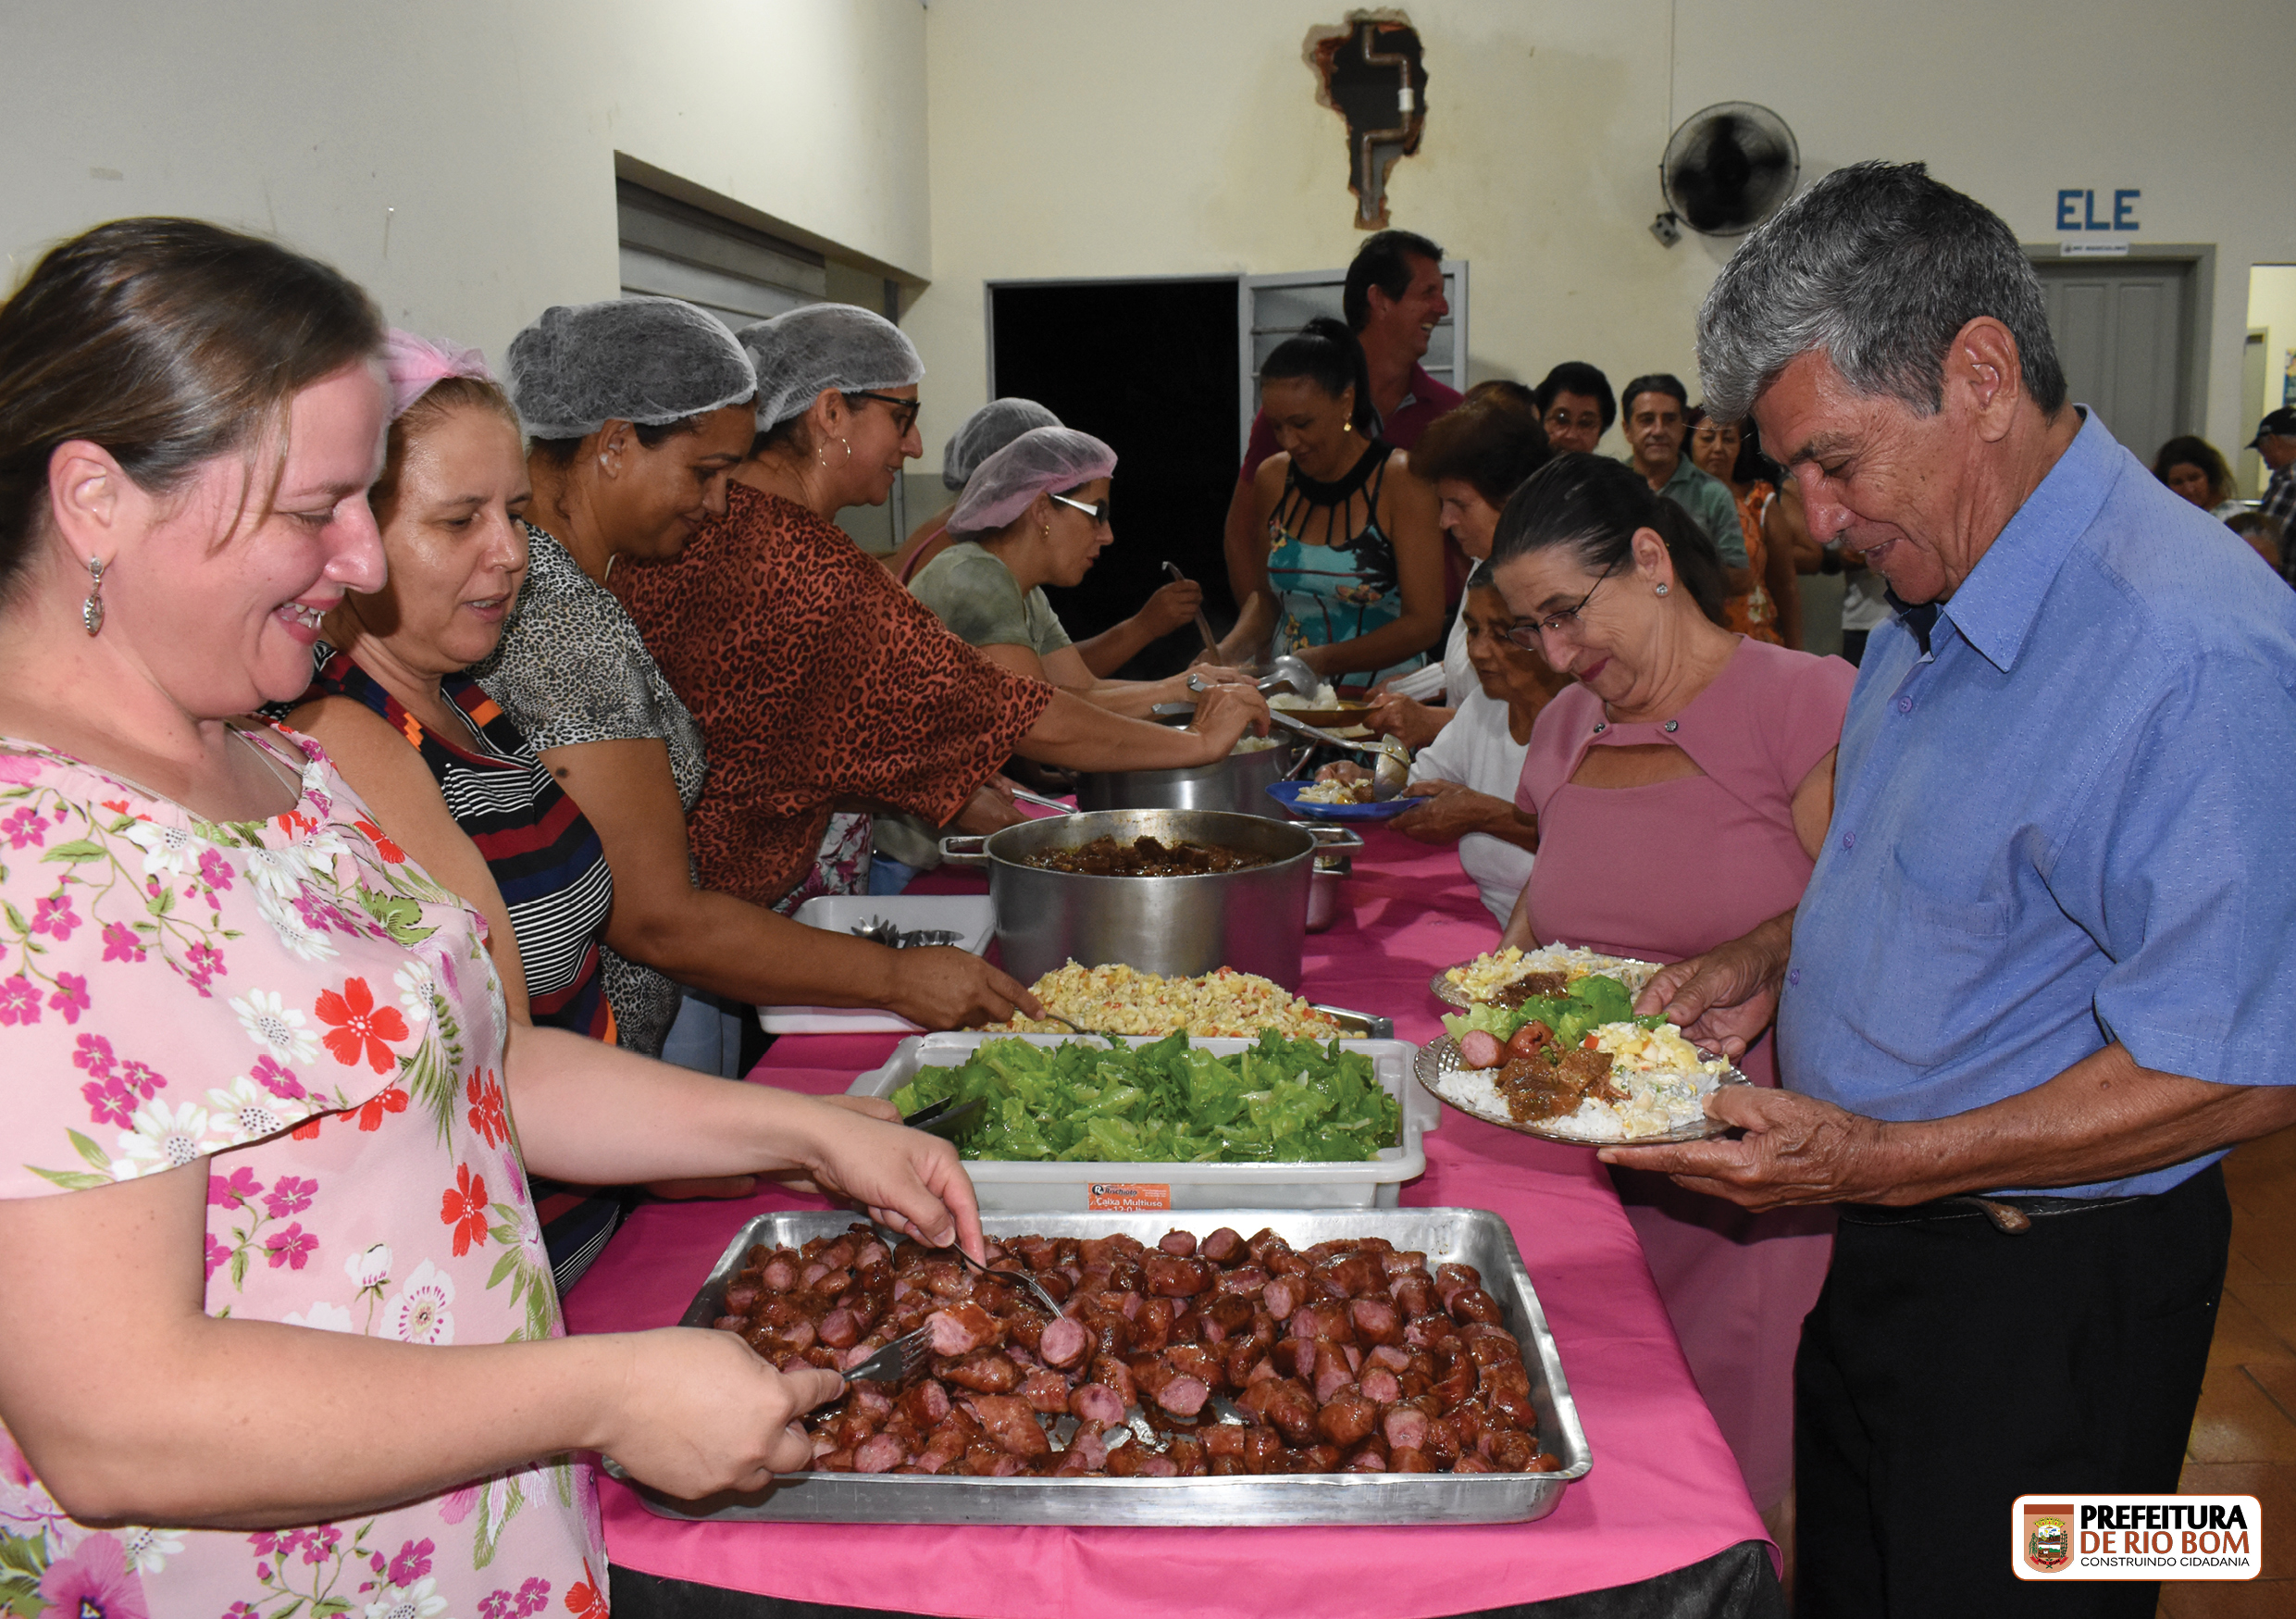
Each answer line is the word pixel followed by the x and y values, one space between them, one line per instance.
pixel 1470 1236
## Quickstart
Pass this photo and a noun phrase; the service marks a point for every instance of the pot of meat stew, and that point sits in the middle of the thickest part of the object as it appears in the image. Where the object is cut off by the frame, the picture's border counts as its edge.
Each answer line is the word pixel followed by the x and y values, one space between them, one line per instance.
pixel 1253 918
pixel 1239 783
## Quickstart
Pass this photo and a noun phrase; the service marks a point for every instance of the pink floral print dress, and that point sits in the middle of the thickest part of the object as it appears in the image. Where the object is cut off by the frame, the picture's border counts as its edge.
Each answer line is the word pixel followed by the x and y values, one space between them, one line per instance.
pixel 294 1003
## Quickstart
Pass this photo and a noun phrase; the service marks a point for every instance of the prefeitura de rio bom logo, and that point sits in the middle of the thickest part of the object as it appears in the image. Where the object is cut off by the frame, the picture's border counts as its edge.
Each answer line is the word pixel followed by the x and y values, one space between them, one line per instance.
pixel 2048 1537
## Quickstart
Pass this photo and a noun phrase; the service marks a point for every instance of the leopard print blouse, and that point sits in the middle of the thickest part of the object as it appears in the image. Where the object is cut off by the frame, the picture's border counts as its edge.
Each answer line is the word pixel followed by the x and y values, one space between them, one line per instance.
pixel 816 678
pixel 572 668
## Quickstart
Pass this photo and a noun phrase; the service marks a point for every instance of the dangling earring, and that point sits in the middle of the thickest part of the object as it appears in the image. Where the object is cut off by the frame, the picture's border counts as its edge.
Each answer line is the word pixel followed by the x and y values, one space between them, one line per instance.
pixel 1662 590
pixel 91 610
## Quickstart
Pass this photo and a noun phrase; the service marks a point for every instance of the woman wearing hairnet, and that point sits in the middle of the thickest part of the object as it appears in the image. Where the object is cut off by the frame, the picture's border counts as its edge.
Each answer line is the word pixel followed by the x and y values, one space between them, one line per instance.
pixel 1036 513
pixel 815 677
pixel 636 410
pixel 981 435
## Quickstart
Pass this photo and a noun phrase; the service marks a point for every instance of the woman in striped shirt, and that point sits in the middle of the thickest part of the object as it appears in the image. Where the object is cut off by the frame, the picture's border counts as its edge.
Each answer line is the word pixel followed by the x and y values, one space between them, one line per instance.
pixel 449 501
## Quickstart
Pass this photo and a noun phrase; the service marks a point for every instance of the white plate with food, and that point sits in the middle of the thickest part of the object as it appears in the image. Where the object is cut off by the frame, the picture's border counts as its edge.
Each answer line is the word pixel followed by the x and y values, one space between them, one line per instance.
pixel 1620 1085
pixel 1499 975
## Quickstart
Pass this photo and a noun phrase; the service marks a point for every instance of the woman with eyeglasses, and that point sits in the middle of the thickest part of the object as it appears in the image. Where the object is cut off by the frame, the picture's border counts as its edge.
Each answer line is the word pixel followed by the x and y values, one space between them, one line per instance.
pixel 819 682
pixel 1682 789
pixel 1037 514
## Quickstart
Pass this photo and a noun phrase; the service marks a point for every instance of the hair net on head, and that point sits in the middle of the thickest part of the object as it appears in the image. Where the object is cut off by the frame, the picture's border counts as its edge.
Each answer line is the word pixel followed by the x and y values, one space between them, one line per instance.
pixel 987 430
pixel 652 361
pixel 413 363
pixel 824 345
pixel 1041 459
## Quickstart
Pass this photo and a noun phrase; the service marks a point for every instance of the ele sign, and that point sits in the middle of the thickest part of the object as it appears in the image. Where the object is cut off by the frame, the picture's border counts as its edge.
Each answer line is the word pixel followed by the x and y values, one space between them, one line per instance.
pixel 2077 210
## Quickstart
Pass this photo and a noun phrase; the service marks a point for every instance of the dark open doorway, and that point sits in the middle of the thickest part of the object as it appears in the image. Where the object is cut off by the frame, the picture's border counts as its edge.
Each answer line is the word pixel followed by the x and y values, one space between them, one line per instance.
pixel 1152 368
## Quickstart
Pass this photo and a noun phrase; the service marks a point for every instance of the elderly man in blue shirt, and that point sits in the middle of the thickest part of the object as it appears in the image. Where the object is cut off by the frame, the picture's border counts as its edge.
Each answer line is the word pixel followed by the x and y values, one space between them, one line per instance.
pixel 2038 984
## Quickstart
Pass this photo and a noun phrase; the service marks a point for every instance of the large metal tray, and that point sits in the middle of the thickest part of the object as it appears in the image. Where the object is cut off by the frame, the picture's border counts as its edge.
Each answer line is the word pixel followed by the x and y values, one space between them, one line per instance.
pixel 1008 1187
pixel 1470 1236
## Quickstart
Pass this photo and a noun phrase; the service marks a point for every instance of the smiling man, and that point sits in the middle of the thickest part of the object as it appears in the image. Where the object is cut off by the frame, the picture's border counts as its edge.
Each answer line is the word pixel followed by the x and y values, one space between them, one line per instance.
pixel 1658 421
pixel 2036 986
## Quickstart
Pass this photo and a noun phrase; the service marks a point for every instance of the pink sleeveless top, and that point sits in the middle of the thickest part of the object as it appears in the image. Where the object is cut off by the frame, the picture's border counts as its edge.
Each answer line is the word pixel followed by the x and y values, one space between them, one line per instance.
pixel 1664 871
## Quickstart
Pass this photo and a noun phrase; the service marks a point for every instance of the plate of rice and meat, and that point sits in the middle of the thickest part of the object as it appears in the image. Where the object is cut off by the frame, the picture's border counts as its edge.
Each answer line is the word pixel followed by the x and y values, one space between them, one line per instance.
pixel 1577 1067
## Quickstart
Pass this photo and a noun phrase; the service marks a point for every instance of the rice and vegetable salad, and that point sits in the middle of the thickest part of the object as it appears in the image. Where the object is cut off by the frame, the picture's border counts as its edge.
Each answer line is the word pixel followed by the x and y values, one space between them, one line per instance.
pixel 1226 1005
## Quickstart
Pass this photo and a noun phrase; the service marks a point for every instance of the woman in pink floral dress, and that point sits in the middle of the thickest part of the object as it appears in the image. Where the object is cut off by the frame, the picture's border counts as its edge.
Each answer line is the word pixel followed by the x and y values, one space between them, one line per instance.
pixel 274 1285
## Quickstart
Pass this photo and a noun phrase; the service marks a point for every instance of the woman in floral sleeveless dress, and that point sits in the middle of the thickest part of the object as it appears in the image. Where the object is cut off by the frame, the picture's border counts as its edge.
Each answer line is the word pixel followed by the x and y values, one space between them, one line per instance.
pixel 277 1296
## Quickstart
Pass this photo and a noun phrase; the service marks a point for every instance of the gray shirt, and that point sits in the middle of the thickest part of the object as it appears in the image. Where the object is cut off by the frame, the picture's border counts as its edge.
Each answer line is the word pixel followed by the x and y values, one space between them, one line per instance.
pixel 1708 501
pixel 977 596
pixel 573 668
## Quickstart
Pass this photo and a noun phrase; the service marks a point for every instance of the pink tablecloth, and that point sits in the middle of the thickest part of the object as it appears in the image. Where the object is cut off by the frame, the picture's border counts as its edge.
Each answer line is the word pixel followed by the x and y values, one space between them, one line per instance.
pixel 1664 1492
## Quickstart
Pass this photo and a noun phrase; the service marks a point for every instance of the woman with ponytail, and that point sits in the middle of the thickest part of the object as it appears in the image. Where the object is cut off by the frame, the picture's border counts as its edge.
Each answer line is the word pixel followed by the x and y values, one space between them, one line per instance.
pixel 1343 535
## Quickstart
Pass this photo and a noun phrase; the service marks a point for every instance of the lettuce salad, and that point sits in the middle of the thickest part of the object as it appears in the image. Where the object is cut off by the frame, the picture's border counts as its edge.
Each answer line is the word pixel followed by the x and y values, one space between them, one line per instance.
pixel 1281 1102
pixel 1587 1005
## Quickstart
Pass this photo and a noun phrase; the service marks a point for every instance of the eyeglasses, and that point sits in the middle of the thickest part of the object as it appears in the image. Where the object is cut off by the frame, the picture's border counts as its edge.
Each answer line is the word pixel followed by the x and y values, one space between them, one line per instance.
pixel 904 410
pixel 1096 511
pixel 1526 635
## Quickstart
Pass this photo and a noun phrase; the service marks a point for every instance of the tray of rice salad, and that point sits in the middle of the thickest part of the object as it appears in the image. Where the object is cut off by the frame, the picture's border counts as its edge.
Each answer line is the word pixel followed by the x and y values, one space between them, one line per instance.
pixel 1221 1004
pixel 1579 1068
pixel 1505 976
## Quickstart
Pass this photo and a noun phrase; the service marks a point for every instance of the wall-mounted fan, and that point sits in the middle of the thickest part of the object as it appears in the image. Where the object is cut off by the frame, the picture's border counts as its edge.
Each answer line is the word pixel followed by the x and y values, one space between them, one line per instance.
pixel 1728 168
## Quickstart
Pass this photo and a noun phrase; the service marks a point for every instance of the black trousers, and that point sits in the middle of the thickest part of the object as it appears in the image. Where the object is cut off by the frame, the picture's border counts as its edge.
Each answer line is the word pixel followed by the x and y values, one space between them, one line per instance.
pixel 1950 1367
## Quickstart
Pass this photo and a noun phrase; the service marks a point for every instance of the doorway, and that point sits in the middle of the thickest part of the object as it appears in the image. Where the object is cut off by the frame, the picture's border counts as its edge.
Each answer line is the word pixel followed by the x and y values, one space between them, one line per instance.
pixel 1150 367
pixel 2131 335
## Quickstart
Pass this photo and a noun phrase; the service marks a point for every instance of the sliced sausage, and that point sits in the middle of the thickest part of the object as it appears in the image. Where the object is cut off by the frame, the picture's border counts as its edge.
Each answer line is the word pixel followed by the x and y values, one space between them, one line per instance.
pixel 1065 1343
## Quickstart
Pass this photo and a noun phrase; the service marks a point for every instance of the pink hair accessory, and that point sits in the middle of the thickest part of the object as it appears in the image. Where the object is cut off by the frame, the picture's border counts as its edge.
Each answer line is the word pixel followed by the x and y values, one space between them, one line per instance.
pixel 414 364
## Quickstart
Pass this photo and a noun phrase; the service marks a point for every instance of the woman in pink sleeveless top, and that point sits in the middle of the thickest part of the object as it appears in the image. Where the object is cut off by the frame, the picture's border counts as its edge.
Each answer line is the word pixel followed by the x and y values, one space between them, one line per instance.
pixel 1682 789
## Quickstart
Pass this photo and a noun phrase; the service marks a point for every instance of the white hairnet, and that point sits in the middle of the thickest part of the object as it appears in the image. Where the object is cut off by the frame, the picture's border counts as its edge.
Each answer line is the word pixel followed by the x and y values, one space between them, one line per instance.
pixel 824 345
pixel 1041 459
pixel 987 430
pixel 647 360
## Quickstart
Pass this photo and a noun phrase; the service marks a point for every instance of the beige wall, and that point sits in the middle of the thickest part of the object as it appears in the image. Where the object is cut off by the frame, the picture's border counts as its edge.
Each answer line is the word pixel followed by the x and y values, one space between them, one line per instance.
pixel 2272 305
pixel 1088 139
pixel 458 156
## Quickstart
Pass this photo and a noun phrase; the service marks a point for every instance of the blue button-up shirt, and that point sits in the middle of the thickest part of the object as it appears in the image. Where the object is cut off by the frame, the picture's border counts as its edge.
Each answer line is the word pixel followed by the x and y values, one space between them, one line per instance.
pixel 2059 824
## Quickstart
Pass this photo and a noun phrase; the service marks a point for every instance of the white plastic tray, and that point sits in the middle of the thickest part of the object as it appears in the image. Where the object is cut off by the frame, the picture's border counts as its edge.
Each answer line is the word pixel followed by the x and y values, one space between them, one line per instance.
pixel 971 915
pixel 1032 1188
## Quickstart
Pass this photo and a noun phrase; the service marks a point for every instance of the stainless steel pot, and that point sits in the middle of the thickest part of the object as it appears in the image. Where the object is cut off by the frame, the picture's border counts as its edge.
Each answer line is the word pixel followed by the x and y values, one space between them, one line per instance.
pixel 1253 921
pixel 1237 784
pixel 1325 889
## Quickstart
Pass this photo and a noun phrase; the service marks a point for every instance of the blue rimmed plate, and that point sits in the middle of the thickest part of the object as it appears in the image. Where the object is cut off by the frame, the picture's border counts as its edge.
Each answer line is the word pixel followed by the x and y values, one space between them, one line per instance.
pixel 1287 794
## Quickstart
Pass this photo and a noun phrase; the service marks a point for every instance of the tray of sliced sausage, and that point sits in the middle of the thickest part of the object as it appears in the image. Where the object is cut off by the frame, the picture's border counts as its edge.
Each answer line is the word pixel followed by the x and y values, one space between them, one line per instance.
pixel 1389 1366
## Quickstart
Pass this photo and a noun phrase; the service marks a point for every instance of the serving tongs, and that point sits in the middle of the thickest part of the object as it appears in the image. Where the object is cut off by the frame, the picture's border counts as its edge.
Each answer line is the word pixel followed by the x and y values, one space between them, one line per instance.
pixel 893 937
pixel 907 1356
pixel 944 1117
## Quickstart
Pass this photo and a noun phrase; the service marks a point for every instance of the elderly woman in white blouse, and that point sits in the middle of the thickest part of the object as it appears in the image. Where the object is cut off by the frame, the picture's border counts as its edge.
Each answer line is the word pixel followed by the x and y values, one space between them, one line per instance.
pixel 1468 774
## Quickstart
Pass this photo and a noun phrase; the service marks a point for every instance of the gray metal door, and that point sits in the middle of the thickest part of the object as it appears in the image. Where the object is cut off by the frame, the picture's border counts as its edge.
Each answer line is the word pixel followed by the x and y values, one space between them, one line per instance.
pixel 2122 331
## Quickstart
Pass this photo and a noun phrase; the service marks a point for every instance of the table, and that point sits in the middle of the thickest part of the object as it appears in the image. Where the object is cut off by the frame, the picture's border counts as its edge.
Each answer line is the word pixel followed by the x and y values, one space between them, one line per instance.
pixel 1664 1502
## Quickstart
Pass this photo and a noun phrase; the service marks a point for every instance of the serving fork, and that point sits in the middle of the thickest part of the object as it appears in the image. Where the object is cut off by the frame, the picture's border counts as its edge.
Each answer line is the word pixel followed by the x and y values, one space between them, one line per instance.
pixel 906 1355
